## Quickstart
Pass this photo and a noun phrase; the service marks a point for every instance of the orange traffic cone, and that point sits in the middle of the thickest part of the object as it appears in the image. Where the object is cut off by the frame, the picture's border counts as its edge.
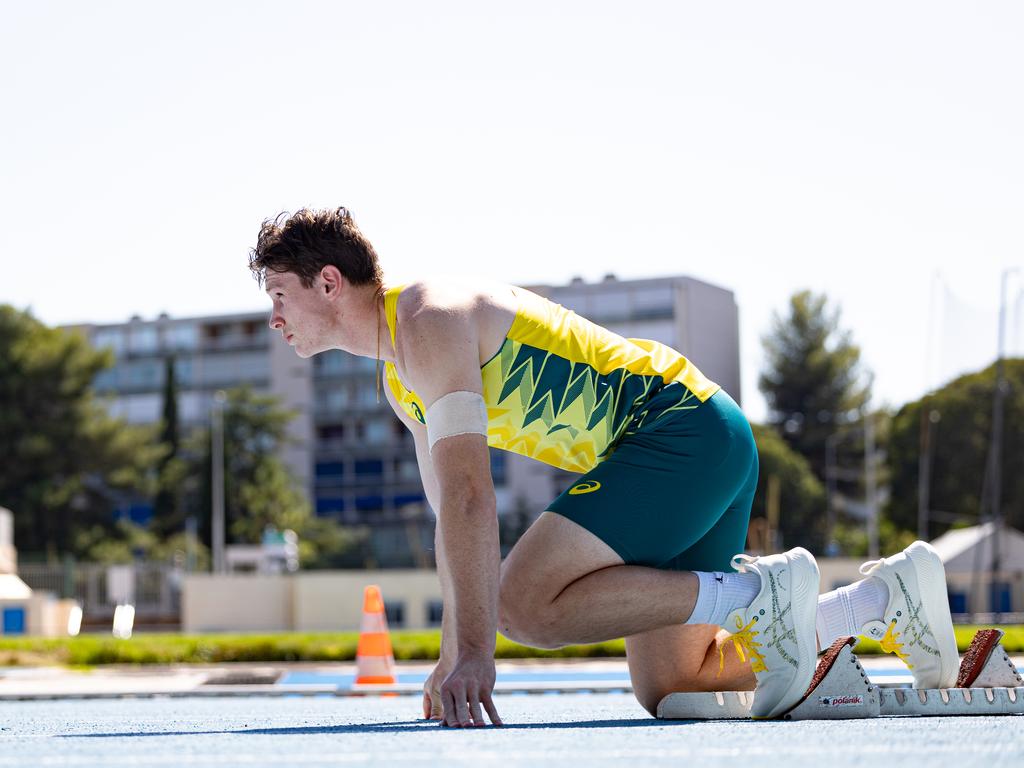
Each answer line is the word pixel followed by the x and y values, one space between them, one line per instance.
pixel 375 661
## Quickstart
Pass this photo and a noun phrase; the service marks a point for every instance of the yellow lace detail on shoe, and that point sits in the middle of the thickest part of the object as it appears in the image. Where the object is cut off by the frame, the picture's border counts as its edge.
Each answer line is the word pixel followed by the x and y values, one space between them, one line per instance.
pixel 890 644
pixel 743 640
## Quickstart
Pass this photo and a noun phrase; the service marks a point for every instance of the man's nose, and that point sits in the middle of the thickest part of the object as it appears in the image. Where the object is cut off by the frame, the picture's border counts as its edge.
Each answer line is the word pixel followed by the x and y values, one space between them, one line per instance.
pixel 276 321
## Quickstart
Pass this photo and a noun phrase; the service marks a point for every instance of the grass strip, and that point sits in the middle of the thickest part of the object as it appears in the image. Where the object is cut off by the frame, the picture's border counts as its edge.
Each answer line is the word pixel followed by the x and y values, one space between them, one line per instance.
pixel 159 648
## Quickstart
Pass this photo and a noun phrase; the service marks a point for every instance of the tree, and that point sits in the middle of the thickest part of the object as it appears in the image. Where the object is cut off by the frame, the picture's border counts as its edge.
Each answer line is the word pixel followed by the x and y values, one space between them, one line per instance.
pixel 960 415
pixel 168 511
pixel 259 491
pixel 812 379
pixel 64 459
pixel 128 542
pixel 801 494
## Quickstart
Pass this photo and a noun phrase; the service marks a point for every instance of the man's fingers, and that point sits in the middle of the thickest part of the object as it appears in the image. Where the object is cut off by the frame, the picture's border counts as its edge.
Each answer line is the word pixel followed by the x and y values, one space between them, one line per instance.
pixel 476 712
pixel 462 710
pixel 492 711
pixel 449 716
pixel 432 709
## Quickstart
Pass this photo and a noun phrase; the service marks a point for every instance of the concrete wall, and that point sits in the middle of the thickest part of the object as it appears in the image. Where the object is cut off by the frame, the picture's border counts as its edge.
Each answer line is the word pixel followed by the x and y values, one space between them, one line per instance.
pixel 236 602
pixel 8 556
pixel 324 601
pixel 301 602
pixel 333 600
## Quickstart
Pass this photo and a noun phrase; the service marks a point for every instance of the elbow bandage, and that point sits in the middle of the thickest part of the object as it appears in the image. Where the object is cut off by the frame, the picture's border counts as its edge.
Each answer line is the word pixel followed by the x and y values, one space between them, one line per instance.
pixel 457 413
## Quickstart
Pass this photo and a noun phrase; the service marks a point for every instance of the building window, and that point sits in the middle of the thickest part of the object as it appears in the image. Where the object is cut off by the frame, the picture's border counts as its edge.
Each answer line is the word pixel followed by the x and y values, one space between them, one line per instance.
pixel 106 380
pixel 498 473
pixel 369 503
pixel 109 338
pixel 369 467
pixel 376 431
pixel 405 499
pixel 183 371
pixel 655 302
pixel 333 401
pixel 435 612
pixel 137 409
pixel 407 470
pixel 329 472
pixel 329 505
pixel 395 613
pixel 331 431
pixel 366 396
pixel 142 340
pixel 141 375
pixel 331 362
pixel 183 337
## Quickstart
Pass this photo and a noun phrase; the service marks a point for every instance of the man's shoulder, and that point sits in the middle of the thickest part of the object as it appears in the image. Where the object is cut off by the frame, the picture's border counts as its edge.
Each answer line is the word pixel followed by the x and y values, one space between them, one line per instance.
pixel 441 300
pixel 432 315
pixel 438 339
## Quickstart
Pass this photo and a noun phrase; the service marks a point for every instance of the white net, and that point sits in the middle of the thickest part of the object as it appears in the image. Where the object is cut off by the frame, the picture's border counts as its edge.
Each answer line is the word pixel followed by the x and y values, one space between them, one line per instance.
pixel 963 332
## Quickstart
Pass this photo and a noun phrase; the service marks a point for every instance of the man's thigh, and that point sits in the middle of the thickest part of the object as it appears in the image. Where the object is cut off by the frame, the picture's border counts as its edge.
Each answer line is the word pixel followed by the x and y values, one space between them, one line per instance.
pixel 683 658
pixel 553 553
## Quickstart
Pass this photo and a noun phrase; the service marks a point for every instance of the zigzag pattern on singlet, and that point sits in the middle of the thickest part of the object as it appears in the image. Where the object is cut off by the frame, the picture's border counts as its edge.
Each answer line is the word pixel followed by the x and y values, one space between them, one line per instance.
pixel 565 412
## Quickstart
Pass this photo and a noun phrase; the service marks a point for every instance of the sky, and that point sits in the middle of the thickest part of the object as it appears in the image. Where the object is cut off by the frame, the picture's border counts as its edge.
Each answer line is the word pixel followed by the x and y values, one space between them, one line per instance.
pixel 871 151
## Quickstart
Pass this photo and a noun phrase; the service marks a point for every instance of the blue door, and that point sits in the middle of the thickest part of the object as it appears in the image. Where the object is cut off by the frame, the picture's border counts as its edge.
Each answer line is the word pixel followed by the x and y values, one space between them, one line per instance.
pixel 958 602
pixel 14 621
pixel 999 597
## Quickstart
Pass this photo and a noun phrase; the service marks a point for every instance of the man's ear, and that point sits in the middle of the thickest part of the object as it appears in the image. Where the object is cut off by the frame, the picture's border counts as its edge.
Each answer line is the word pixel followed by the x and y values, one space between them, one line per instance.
pixel 333 281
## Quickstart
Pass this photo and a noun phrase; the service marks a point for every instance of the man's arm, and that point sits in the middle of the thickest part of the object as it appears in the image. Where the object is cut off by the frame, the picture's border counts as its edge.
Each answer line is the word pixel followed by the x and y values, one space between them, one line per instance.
pixel 449 649
pixel 439 350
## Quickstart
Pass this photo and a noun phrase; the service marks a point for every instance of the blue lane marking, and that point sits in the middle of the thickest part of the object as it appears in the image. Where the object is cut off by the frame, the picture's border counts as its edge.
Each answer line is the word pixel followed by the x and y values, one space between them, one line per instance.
pixel 314 678
pixel 346 681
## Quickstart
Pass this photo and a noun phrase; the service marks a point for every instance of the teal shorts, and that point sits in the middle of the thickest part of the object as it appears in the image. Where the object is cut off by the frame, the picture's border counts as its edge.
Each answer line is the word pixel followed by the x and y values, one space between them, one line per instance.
pixel 676 492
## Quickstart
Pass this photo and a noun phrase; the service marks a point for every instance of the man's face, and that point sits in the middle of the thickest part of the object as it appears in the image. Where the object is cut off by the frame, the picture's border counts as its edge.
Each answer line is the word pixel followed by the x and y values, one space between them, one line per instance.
pixel 301 314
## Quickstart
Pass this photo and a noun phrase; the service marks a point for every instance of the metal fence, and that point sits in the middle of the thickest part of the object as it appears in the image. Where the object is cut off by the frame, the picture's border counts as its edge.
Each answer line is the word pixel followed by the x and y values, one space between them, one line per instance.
pixel 154 589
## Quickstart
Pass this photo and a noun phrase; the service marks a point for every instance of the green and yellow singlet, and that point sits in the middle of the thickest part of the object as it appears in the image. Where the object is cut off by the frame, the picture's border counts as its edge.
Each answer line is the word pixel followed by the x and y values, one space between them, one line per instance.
pixel 564 390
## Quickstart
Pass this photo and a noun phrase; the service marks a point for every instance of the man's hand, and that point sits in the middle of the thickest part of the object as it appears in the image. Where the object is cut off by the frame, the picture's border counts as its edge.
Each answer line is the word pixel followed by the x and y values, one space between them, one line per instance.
pixel 466 692
pixel 432 709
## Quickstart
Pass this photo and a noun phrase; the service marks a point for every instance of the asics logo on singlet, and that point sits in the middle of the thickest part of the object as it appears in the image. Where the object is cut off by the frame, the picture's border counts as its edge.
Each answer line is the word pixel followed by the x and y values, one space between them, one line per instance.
pixel 588 487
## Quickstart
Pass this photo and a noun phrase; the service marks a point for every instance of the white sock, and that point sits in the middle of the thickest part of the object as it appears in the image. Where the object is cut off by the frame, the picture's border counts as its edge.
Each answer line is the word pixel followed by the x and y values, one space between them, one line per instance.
pixel 842 612
pixel 719 594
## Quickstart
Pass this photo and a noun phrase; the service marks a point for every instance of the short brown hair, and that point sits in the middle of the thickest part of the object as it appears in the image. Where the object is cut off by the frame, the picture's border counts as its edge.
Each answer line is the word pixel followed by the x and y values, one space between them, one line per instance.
pixel 307 241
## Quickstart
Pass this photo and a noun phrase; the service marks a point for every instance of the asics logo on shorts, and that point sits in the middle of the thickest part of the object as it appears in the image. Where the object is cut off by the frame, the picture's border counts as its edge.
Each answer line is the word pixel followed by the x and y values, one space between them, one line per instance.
pixel 588 487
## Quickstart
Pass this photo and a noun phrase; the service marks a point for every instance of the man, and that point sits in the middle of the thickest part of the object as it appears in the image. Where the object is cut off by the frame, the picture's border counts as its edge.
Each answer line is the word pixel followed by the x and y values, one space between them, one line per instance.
pixel 638 548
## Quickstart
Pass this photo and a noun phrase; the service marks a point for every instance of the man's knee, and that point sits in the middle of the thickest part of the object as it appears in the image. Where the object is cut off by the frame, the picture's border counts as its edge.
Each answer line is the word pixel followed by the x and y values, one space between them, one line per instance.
pixel 526 617
pixel 649 693
pixel 679 659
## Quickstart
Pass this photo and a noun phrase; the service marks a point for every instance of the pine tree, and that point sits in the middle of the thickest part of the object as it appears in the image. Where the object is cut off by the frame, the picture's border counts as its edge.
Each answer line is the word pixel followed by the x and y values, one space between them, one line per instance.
pixel 167 512
pixel 812 379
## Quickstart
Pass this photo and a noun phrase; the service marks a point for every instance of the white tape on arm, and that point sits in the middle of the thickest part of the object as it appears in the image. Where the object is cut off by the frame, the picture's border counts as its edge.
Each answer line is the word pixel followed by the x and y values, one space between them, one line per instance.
pixel 457 413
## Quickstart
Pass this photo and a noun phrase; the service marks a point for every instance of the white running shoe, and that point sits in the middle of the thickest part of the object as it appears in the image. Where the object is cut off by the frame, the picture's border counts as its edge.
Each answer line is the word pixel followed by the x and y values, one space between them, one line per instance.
pixel 782 619
pixel 916 626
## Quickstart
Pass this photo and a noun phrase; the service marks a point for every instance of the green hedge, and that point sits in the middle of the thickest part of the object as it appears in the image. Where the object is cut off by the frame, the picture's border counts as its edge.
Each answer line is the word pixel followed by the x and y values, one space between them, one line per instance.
pixel 93 650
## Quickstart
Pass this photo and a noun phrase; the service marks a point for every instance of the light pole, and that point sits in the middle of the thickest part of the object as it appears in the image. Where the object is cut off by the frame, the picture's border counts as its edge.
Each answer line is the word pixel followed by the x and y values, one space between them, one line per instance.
pixel 870 484
pixel 217 474
pixel 995 450
pixel 831 545
pixel 929 418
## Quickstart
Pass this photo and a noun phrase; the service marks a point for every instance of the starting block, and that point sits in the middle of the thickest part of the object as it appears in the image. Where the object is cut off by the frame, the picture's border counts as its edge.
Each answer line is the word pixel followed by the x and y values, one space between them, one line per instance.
pixel 988 684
